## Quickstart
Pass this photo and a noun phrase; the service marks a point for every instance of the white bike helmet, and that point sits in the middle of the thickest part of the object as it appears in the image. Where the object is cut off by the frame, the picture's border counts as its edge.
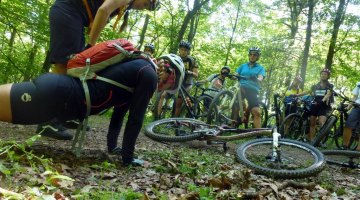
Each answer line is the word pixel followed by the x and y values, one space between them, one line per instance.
pixel 177 64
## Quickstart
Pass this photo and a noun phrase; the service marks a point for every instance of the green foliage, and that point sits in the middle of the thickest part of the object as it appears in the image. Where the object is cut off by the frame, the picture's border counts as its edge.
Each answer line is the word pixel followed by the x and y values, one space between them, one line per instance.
pixel 25 38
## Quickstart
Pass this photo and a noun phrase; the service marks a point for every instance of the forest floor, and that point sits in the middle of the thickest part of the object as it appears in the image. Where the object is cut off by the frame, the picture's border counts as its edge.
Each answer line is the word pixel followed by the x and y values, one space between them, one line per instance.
pixel 174 171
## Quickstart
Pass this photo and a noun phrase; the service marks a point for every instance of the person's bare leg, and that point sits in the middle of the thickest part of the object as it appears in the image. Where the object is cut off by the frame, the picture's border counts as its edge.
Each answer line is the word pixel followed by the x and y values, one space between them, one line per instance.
pixel 312 128
pixel 255 111
pixel 346 137
pixel 178 105
pixel 5 108
pixel 59 68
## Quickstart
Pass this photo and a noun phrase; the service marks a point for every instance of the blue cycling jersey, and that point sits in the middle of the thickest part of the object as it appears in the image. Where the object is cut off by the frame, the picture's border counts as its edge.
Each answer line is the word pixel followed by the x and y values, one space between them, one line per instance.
pixel 254 71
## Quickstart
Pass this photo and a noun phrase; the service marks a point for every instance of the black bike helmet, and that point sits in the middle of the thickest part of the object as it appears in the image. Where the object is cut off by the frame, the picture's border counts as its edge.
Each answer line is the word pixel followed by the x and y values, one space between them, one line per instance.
pixel 227 68
pixel 185 44
pixel 150 46
pixel 255 50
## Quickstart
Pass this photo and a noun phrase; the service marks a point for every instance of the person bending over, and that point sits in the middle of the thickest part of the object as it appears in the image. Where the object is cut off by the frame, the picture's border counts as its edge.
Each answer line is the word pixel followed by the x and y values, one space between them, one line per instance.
pixel 60 96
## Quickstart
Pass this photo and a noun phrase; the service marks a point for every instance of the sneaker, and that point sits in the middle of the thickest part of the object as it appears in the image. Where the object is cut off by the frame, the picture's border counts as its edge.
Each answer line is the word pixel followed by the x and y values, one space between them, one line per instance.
pixel 73 124
pixel 116 151
pixel 54 130
pixel 135 162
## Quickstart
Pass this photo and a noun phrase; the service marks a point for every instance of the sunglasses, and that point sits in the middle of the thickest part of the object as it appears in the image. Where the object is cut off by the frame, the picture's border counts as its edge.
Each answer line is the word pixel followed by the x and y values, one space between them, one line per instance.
pixel 253 54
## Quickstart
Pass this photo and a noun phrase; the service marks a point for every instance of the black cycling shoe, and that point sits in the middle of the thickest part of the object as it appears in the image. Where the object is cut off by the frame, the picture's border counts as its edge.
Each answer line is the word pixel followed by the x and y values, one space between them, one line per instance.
pixel 73 124
pixel 54 130
pixel 116 151
pixel 134 162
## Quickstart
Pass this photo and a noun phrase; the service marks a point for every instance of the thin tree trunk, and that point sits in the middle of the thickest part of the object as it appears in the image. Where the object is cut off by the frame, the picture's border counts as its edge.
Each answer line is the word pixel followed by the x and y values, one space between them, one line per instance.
pixel 305 57
pixel 337 22
pixel 143 31
pixel 232 34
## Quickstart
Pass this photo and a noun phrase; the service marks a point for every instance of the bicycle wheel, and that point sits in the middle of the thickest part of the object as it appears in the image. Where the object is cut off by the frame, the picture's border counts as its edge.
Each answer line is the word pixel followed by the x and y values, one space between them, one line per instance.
pixel 175 129
pixel 292 127
pixel 344 158
pixel 322 136
pixel 166 108
pixel 338 137
pixel 202 106
pixel 220 110
pixel 298 159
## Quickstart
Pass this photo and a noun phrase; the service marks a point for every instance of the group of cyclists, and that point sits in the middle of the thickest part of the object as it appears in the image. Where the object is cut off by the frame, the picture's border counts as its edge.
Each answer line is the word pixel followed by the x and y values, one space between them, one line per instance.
pixel 55 98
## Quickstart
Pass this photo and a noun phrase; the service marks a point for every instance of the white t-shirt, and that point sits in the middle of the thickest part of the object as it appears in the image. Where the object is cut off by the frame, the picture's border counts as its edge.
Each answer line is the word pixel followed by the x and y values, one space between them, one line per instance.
pixel 356 92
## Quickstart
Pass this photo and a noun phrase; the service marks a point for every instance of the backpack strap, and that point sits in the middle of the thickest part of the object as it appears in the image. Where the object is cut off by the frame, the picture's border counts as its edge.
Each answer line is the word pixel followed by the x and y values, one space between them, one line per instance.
pixel 81 130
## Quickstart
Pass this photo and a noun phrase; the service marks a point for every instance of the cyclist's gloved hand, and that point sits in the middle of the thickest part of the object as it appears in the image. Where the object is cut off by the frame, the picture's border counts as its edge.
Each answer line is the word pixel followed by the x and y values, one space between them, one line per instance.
pixel 254 78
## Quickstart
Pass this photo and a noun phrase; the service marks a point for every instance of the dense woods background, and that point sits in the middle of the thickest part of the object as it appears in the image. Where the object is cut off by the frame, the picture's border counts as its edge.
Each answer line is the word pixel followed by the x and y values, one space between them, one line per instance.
pixel 296 37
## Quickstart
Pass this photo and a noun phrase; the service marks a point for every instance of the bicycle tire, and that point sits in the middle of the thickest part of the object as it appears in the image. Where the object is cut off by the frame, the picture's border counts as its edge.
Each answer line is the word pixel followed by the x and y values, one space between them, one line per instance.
pixel 166 109
pixel 220 109
pixel 316 166
pixel 174 130
pixel 295 123
pixel 201 107
pixel 338 137
pixel 321 136
pixel 336 157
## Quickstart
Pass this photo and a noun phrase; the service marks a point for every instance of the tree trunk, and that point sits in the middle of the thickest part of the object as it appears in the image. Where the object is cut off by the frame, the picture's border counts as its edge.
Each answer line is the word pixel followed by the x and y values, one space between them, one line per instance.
pixel 337 22
pixel 30 64
pixel 189 15
pixel 305 56
pixel 143 31
pixel 232 34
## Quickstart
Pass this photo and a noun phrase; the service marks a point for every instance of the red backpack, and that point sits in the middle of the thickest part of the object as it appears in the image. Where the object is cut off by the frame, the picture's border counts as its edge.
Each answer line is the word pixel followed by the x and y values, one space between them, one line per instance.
pixel 85 64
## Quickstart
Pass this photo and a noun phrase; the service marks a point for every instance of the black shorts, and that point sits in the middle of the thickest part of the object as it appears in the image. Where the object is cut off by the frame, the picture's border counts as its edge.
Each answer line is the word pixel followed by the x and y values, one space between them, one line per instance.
pixel 251 96
pixel 319 109
pixel 48 96
pixel 66 31
pixel 353 120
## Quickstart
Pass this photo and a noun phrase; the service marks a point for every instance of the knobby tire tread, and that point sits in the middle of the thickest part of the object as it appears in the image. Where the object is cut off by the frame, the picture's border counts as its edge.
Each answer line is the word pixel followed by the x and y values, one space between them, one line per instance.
pixel 149 130
pixel 314 169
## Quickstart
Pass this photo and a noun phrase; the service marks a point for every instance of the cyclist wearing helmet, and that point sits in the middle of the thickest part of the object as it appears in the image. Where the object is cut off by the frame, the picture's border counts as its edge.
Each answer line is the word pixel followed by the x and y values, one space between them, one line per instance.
pixel 149 49
pixel 321 105
pixel 68 19
pixel 250 87
pixel 292 91
pixel 217 81
pixel 28 102
pixel 353 120
pixel 191 71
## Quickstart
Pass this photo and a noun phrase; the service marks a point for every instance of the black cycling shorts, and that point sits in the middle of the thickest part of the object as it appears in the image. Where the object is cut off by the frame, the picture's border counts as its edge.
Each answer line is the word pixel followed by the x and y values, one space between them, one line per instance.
pixel 46 97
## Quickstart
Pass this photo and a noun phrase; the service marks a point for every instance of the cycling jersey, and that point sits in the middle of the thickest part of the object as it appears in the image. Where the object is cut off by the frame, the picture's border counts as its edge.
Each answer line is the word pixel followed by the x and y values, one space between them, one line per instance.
pixel 189 64
pixel 216 83
pixel 251 72
pixel 318 91
pixel 356 92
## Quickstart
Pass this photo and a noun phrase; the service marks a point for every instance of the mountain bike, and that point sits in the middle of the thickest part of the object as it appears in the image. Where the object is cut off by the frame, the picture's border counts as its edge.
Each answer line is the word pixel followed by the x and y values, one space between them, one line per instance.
pixel 221 110
pixel 187 129
pixel 296 125
pixel 343 158
pixel 330 128
pixel 281 158
pixel 194 106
